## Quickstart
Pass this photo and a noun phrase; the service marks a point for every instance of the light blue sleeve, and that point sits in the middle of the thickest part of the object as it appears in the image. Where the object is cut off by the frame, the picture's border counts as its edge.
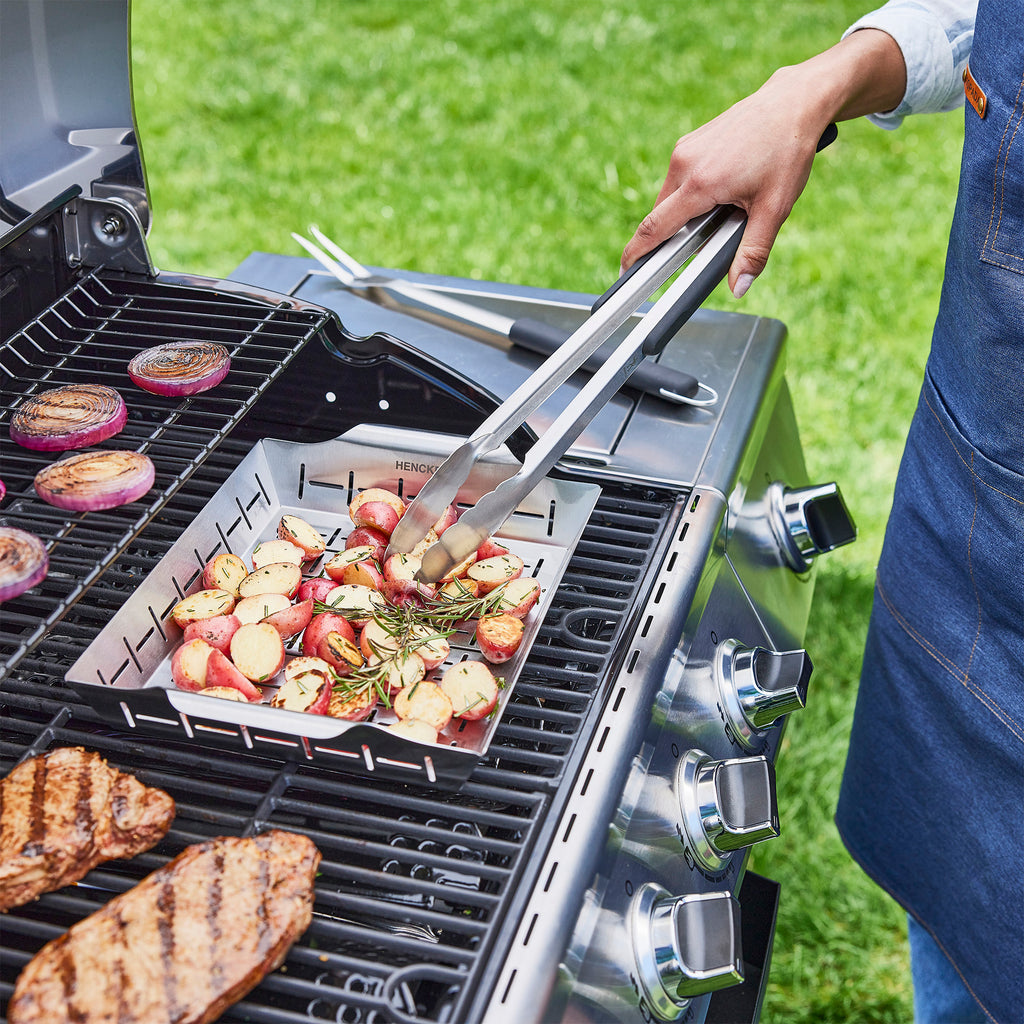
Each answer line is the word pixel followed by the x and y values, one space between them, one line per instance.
pixel 935 37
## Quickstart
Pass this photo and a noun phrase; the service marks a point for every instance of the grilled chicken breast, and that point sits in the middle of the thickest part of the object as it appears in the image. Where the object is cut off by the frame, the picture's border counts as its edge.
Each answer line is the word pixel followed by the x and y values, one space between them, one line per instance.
pixel 66 811
pixel 181 946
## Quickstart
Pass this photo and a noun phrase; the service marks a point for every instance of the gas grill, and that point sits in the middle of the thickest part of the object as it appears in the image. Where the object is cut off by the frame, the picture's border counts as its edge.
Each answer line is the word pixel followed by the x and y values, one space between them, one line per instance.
pixel 590 864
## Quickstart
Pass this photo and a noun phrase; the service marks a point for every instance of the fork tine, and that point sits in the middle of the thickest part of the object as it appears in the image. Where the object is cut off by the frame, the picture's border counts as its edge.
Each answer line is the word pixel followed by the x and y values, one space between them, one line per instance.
pixel 353 265
pixel 341 273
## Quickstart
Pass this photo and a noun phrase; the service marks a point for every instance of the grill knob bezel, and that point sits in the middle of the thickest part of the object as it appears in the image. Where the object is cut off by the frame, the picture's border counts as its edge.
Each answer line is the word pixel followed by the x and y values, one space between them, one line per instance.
pixel 726 805
pixel 684 946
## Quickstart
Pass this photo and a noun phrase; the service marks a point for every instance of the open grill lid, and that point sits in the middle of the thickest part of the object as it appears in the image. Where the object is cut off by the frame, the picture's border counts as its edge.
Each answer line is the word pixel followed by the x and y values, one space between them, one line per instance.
pixel 67 120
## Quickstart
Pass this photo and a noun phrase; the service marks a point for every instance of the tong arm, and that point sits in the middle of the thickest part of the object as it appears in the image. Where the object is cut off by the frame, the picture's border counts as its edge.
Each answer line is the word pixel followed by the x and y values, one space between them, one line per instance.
pixel 610 312
pixel 684 295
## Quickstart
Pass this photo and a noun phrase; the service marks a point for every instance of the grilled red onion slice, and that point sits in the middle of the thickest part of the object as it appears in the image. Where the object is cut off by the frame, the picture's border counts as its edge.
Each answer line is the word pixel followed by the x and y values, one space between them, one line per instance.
pixel 95 480
pixel 180 368
pixel 75 416
pixel 23 561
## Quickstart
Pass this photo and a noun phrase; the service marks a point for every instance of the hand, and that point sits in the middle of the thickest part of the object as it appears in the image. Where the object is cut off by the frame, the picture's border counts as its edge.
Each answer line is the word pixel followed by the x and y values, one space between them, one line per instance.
pixel 757 155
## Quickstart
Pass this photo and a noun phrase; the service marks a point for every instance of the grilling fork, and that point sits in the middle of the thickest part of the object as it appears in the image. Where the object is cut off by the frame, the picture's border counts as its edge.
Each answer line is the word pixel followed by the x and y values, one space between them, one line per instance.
pixel 709 242
pixel 533 335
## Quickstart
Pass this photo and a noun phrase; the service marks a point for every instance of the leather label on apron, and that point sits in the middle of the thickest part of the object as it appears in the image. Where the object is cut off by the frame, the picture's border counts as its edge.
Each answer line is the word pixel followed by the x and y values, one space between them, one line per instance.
pixel 974 93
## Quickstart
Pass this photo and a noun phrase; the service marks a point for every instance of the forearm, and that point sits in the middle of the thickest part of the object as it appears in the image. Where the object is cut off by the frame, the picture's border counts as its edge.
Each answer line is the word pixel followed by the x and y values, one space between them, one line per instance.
pixel 862 74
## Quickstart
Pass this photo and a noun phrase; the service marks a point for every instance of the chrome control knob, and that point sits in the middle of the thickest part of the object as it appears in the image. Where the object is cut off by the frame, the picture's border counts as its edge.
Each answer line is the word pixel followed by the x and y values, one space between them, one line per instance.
pixel 684 946
pixel 726 805
pixel 808 521
pixel 759 686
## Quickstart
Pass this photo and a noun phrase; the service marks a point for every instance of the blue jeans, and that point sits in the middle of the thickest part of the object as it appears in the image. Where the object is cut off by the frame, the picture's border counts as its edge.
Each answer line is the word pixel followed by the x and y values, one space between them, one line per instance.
pixel 940 996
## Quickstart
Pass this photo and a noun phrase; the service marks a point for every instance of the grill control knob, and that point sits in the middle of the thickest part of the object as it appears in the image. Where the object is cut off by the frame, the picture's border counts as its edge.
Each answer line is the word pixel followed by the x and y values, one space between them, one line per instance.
pixel 808 521
pixel 726 805
pixel 758 686
pixel 684 946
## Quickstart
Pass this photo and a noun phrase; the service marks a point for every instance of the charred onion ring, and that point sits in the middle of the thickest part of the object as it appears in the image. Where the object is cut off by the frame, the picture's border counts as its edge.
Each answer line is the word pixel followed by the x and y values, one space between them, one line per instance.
pixel 75 416
pixel 95 480
pixel 23 561
pixel 180 368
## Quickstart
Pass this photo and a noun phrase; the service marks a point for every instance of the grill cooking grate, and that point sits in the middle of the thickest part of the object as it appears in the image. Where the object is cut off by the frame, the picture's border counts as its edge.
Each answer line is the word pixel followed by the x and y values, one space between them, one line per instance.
pixel 88 336
pixel 418 890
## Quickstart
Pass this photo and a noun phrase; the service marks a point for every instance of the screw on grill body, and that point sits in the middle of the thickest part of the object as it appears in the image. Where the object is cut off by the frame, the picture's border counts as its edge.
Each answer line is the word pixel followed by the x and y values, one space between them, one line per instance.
pixel 113 224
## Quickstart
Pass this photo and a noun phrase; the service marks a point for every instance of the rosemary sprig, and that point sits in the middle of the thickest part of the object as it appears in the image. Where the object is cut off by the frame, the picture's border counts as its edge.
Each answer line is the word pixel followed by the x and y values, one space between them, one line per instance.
pixel 412 625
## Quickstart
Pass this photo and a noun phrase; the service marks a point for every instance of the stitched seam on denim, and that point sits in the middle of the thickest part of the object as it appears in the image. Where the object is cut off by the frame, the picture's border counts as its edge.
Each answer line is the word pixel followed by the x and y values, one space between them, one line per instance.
pixel 968 466
pixel 952 963
pixel 997 189
pixel 970 569
pixel 950 666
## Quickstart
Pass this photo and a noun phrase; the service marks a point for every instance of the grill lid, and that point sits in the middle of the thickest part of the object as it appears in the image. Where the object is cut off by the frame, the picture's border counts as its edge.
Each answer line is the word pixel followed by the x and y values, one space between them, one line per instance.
pixel 67 62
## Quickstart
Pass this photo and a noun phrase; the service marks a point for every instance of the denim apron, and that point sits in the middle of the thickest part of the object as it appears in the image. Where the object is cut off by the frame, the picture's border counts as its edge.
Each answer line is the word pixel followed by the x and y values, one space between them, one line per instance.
pixel 932 800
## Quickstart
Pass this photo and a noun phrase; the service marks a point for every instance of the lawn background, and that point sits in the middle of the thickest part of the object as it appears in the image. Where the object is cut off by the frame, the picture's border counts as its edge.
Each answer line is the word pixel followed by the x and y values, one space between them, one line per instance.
pixel 522 142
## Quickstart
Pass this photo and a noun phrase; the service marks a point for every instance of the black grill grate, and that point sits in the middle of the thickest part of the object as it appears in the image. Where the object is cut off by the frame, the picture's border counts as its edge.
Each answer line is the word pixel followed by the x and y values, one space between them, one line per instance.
pixel 418 890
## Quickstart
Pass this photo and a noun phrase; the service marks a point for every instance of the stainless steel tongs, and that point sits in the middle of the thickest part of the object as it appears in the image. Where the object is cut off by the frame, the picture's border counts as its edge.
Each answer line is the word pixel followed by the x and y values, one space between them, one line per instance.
pixel 709 243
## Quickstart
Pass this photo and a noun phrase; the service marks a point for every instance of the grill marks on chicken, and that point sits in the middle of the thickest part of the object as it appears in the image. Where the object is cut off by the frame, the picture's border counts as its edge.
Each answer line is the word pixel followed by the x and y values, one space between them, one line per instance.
pixel 64 812
pixel 181 946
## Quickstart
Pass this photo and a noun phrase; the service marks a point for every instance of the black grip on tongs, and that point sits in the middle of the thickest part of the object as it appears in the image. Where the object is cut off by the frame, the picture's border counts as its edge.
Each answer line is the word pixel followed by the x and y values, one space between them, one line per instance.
pixel 650 378
pixel 694 297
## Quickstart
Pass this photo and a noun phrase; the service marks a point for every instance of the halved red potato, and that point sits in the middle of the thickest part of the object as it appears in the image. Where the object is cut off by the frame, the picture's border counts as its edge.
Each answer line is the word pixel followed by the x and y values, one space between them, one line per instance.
pixel 257 651
pixel 429 538
pixel 319 626
pixel 336 565
pixel 375 641
pixel 367 536
pixel 414 729
pixel 426 702
pixel 278 550
pixel 499 637
pixel 340 653
pixel 217 630
pixel 447 518
pixel 363 574
pixel 458 572
pixel 375 494
pixel 377 514
pixel 302 665
pixel 221 671
pixel 403 592
pixel 490 548
pixel 403 670
pixel 203 604
pixel 461 589
pixel 292 620
pixel 260 607
pixel 519 596
pixel 301 534
pixel 471 688
pixel 188 664
pixel 492 572
pixel 430 646
pixel 402 566
pixel 309 692
pixel 273 578
pixel 316 587
pixel 355 602
pixel 224 692
pixel 353 705
pixel 224 572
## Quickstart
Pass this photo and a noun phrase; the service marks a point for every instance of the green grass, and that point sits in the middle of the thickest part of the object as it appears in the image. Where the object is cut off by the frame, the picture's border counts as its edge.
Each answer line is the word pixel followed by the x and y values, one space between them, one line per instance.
pixel 522 142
